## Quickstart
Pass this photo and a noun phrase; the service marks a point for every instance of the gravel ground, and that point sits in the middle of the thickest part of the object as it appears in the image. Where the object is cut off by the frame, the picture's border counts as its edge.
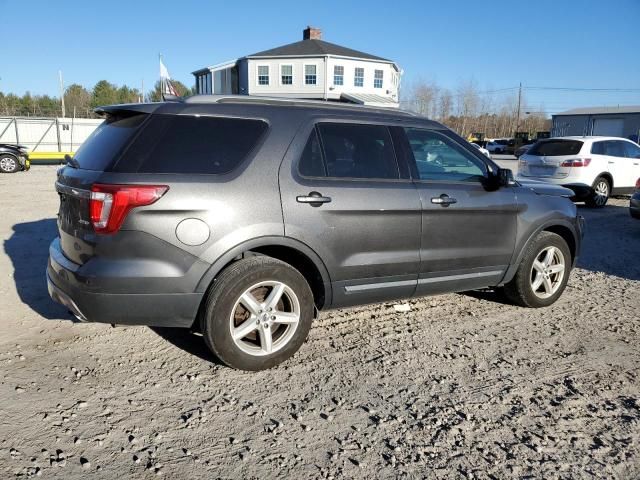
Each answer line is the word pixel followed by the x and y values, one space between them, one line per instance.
pixel 461 386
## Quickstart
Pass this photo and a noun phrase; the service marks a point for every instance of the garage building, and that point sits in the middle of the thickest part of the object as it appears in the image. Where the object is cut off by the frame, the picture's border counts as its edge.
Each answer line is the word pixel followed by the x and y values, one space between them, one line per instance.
pixel 621 121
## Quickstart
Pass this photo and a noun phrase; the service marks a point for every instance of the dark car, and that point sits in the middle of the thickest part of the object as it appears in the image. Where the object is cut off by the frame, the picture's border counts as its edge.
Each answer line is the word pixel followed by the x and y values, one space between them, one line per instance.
pixel 634 204
pixel 242 217
pixel 13 158
pixel 523 149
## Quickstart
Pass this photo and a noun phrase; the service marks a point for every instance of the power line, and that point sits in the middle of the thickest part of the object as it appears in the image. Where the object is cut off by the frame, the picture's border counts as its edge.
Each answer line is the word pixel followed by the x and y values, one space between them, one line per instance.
pixel 578 89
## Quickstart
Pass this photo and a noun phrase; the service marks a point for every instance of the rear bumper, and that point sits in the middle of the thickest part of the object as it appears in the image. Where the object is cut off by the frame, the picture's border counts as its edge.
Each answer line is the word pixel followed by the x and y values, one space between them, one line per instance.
pixel 161 310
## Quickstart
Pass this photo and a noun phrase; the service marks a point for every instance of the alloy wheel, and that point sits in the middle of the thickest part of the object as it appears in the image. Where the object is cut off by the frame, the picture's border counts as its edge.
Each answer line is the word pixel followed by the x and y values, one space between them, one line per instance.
pixel 264 318
pixel 601 191
pixel 547 272
pixel 7 164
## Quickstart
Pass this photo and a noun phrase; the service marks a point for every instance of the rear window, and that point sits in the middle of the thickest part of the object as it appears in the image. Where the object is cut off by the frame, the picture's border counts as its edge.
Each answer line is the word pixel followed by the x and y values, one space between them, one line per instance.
pixel 191 144
pixel 556 148
pixel 101 147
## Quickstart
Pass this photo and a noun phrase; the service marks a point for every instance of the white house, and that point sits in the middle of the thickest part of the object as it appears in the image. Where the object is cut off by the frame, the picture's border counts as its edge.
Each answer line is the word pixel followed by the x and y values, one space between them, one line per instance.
pixel 310 68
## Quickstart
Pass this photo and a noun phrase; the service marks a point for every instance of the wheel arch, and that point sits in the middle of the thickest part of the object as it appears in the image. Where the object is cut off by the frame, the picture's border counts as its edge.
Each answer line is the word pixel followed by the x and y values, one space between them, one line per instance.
pixel 560 227
pixel 297 254
pixel 607 176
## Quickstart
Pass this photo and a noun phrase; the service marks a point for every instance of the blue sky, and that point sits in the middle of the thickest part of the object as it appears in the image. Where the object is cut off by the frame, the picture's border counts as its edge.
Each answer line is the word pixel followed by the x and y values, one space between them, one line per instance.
pixel 561 43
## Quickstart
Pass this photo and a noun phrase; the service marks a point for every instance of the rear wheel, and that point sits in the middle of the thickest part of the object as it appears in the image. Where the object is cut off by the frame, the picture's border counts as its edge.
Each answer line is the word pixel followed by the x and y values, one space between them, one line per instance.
pixel 600 193
pixel 543 272
pixel 9 164
pixel 258 313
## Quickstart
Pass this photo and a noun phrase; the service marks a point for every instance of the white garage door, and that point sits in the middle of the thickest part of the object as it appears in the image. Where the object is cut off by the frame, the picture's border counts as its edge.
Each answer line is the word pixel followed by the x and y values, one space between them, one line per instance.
pixel 609 127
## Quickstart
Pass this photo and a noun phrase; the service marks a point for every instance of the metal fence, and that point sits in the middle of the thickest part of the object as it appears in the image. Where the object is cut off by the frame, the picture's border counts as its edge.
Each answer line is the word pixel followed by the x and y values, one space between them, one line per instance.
pixel 47 134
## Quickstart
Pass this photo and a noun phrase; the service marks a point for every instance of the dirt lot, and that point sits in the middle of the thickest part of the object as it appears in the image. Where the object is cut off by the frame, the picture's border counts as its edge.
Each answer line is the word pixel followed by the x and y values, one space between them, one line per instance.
pixel 462 386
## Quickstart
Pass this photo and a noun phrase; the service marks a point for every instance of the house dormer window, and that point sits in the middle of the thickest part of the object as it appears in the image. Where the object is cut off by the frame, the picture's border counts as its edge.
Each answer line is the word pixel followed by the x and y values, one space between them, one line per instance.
pixel 310 74
pixel 358 79
pixel 338 75
pixel 263 74
pixel 377 79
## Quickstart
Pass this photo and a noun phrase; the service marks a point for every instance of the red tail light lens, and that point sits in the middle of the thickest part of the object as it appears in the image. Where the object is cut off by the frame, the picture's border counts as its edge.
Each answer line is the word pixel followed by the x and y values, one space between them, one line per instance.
pixel 110 204
pixel 638 184
pixel 576 162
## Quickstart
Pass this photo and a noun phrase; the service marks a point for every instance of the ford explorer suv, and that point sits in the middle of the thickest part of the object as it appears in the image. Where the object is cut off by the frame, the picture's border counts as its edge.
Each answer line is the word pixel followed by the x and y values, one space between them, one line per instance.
pixel 593 167
pixel 242 217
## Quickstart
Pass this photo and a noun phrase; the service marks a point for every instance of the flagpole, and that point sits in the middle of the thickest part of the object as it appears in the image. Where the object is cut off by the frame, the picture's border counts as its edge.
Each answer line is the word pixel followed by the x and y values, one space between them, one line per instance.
pixel 161 79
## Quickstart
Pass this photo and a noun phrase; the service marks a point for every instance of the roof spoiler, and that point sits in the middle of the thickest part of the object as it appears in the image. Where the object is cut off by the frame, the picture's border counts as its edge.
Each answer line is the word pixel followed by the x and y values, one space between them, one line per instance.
pixel 127 107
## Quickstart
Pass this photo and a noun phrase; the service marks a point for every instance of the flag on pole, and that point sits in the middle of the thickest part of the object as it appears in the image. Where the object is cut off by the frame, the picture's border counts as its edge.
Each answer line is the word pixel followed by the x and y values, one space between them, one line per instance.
pixel 166 88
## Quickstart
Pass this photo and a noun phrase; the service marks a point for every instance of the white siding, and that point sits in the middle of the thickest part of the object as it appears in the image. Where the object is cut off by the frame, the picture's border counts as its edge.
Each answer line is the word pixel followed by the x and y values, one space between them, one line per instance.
pixel 297 89
pixel 369 70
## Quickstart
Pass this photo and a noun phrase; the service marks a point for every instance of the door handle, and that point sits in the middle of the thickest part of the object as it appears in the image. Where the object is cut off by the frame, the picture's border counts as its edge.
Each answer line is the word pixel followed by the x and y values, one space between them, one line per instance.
pixel 443 200
pixel 315 199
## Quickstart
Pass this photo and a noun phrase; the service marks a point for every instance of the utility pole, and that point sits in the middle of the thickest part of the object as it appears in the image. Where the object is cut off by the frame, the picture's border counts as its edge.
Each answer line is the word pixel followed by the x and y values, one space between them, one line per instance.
pixel 519 103
pixel 142 99
pixel 61 92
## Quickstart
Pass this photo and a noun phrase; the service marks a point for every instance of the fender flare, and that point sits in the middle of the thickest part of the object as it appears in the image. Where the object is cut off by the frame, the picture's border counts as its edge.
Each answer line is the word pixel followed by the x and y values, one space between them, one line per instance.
pixel 266 241
pixel 515 263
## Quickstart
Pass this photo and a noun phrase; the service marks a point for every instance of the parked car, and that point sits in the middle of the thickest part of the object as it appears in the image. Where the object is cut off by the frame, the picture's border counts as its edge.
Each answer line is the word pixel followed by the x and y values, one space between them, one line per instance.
pixel 498 146
pixel 523 149
pixel 634 203
pixel 593 167
pixel 484 151
pixel 242 217
pixel 13 158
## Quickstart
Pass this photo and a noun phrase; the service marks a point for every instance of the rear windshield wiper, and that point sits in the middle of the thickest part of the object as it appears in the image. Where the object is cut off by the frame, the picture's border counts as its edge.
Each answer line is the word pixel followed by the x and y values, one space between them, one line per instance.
pixel 72 162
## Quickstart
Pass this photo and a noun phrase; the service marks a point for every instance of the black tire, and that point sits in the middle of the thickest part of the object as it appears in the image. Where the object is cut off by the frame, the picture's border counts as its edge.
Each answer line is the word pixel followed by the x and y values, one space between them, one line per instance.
pixel 600 192
pixel 520 290
pixel 222 300
pixel 9 163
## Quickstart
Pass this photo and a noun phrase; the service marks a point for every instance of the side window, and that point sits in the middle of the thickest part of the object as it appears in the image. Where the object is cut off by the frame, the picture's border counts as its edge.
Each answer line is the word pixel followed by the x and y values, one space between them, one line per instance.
pixel 632 150
pixel 190 144
pixel 311 163
pixel 598 148
pixel 614 148
pixel 437 157
pixel 358 151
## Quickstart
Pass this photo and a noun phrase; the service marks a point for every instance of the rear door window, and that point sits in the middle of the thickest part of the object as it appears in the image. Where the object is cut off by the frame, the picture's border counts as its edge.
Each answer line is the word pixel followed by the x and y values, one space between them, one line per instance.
pixel 614 148
pixel 556 148
pixel 358 151
pixel 191 144
pixel 100 149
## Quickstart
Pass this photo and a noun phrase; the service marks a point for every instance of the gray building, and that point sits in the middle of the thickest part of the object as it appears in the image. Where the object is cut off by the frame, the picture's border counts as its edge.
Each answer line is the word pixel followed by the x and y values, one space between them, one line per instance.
pixel 610 121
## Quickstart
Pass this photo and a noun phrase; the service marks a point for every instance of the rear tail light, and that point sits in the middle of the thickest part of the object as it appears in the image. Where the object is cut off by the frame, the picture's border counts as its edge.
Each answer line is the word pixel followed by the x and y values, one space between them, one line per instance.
pixel 110 204
pixel 638 184
pixel 576 162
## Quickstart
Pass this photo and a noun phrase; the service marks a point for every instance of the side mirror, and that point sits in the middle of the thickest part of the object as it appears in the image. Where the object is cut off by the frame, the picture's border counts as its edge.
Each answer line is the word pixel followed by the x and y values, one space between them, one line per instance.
pixel 505 177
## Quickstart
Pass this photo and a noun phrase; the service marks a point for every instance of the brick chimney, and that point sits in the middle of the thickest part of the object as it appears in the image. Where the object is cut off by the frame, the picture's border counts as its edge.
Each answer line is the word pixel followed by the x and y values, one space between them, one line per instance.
pixel 312 33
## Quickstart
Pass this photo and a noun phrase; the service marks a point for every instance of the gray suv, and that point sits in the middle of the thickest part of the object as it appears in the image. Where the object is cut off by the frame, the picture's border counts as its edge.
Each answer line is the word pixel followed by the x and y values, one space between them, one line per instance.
pixel 243 217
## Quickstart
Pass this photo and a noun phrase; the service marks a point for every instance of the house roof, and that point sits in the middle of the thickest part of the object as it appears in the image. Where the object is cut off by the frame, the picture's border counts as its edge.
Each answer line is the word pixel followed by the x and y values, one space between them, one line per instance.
pixel 370 99
pixel 601 110
pixel 315 47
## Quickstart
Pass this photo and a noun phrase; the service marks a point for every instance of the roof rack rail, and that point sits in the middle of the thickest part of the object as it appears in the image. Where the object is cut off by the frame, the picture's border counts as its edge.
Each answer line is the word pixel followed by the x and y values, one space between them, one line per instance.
pixel 288 101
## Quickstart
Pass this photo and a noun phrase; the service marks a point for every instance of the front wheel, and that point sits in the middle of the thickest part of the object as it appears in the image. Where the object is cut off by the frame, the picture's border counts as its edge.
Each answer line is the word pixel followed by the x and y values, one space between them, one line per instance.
pixel 258 313
pixel 543 272
pixel 600 193
pixel 9 164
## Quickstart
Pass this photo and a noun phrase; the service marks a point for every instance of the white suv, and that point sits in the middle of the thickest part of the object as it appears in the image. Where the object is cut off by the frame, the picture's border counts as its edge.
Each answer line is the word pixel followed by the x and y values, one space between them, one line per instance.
pixel 593 167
